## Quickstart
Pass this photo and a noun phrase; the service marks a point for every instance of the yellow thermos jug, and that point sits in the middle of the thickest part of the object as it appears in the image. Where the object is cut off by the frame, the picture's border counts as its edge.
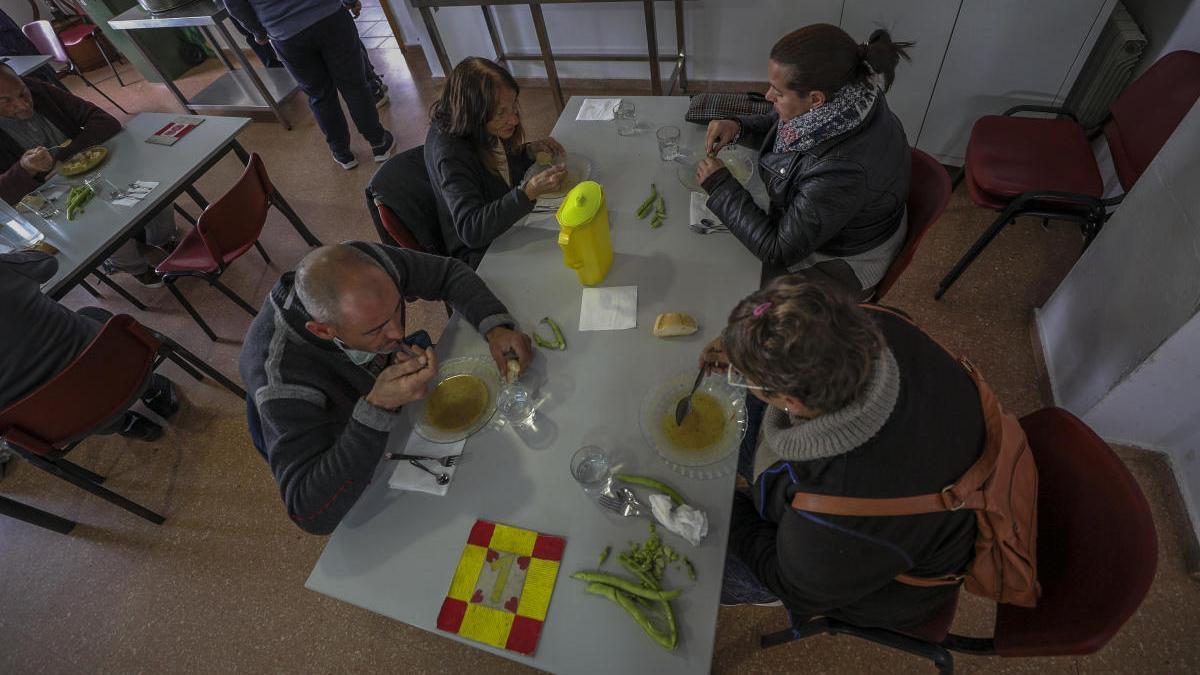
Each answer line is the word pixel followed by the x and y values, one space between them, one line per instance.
pixel 583 232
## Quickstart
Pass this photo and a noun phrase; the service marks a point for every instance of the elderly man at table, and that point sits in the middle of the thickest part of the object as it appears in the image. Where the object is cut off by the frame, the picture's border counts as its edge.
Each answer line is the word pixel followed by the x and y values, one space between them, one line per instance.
pixel 39 338
pixel 36 120
pixel 324 365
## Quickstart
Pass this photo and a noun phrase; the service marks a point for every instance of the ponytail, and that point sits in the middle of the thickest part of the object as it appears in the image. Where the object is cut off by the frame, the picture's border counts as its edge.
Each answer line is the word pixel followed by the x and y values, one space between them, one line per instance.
pixel 881 55
pixel 823 57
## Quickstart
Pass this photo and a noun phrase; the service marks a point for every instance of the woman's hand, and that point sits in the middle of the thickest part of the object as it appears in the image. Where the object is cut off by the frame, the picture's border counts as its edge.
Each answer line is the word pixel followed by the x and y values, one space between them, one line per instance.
pixel 547 181
pixel 720 134
pixel 713 358
pixel 547 144
pixel 707 167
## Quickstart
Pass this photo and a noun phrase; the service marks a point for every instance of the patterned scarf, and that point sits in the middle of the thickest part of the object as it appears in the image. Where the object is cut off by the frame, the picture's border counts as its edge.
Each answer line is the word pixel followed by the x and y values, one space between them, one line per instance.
pixel 845 111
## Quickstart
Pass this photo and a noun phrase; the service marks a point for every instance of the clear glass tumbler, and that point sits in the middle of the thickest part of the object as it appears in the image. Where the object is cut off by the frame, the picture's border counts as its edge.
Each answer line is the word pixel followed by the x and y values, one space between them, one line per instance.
pixel 668 143
pixel 626 116
pixel 590 467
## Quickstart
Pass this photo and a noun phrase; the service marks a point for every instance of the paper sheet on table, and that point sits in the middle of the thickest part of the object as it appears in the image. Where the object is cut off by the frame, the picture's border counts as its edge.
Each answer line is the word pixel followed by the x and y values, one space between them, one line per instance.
pixel 612 308
pixel 698 209
pixel 408 477
pixel 598 109
pixel 136 192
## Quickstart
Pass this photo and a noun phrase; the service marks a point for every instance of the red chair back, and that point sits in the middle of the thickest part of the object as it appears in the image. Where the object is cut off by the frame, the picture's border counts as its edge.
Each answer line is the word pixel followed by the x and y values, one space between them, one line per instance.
pixel 396 229
pixel 98 385
pixel 43 37
pixel 1147 112
pixel 231 224
pixel 1097 548
pixel 929 191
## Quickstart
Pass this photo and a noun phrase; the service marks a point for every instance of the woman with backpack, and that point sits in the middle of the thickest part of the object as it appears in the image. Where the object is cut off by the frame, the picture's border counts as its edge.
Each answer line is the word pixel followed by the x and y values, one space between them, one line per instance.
pixel 834 159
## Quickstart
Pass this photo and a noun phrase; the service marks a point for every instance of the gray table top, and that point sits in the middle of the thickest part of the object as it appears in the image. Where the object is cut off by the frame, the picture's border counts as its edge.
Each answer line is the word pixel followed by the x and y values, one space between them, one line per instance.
pixel 395 552
pixel 24 64
pixel 130 158
pixel 200 13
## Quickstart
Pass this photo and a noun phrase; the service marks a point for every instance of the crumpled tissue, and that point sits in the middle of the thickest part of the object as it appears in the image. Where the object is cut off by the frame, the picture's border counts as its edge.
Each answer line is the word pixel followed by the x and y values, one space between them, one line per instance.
pixel 685 521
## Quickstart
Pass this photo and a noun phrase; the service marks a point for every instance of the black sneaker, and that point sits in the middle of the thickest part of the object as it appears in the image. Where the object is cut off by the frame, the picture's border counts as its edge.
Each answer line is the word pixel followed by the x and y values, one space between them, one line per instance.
pixel 140 427
pixel 384 149
pixel 161 398
pixel 149 279
pixel 345 160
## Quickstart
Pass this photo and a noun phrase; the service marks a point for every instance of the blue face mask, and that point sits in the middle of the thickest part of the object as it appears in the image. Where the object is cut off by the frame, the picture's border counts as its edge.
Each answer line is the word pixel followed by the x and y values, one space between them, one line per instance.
pixel 359 357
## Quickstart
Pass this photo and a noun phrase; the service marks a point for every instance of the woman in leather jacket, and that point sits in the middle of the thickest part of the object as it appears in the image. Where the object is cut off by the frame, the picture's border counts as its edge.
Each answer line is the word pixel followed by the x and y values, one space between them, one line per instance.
pixel 476 158
pixel 834 159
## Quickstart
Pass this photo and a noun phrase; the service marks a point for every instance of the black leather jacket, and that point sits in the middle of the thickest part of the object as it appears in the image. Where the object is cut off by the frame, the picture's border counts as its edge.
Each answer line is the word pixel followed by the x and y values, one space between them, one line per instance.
pixel 844 196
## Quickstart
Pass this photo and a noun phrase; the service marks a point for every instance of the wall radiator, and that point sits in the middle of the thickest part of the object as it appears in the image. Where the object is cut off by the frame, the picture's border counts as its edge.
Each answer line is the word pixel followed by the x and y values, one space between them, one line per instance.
pixel 1109 68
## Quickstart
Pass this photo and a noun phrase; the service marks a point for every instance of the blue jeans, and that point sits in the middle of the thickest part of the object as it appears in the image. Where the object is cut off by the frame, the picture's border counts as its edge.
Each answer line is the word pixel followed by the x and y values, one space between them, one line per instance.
pixel 327 59
pixel 740 586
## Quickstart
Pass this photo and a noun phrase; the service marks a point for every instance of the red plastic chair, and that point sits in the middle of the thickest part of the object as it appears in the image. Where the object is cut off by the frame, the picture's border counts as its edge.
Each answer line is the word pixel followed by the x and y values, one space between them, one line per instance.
pixel 100 384
pixel 84 31
pixel 226 230
pixel 1097 555
pixel 43 37
pixel 1045 167
pixel 391 225
pixel 929 192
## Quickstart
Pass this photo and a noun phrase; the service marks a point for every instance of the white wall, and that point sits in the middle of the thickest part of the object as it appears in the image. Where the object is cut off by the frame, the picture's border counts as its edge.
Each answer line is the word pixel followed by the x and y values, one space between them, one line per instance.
pixel 1168 24
pixel 20 12
pixel 1121 334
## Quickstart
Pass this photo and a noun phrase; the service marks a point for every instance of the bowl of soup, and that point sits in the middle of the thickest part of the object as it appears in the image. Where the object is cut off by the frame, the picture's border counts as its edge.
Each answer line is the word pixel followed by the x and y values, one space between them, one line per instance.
pixel 461 400
pixel 709 436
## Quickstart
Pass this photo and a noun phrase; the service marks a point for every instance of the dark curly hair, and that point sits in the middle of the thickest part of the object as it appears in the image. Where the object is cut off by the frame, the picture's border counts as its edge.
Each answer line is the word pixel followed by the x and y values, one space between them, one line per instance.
pixel 803 339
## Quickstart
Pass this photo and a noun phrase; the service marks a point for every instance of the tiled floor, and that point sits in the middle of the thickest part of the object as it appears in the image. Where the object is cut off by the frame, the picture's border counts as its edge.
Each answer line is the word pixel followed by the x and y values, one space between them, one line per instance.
pixel 219 587
pixel 373 27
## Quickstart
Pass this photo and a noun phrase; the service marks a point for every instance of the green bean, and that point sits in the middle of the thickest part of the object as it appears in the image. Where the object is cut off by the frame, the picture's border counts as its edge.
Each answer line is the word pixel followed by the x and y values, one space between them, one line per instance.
pixel 656 222
pixel 559 343
pixel 645 207
pixel 661 208
pixel 653 484
pixel 665 640
pixel 626 585
pixel 604 555
pixel 691 569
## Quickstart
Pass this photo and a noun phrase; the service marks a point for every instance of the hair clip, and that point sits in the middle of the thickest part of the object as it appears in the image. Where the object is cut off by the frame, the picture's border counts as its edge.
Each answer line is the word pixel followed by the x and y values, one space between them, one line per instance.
pixel 758 311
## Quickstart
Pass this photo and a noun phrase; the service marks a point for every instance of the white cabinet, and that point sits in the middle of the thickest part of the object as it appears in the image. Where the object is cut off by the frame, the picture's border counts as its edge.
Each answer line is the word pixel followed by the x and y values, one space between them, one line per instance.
pixel 1004 53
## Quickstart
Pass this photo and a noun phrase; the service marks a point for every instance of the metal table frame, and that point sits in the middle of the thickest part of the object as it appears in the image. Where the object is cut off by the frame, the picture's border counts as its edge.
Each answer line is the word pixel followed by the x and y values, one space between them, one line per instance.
pixel 205 15
pixel 547 57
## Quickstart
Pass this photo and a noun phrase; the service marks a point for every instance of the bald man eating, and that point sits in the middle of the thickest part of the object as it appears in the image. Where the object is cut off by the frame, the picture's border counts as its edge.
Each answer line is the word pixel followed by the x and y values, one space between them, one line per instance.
pixel 327 376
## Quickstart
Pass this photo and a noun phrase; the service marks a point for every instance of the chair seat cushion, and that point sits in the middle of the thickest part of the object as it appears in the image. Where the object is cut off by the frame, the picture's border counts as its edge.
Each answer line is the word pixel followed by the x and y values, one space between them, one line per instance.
pixel 1007 156
pixel 191 255
pixel 76 34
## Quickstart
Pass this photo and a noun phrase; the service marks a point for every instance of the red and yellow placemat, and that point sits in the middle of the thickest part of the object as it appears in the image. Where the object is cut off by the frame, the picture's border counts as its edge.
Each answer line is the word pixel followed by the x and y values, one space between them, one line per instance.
pixel 501 588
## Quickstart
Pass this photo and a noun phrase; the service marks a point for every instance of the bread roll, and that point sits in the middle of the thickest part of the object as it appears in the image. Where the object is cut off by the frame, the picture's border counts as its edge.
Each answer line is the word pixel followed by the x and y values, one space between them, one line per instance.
pixel 674 324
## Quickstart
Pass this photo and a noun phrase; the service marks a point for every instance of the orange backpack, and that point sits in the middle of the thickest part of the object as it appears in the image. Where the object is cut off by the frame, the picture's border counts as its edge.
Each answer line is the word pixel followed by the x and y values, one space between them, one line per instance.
pixel 1001 487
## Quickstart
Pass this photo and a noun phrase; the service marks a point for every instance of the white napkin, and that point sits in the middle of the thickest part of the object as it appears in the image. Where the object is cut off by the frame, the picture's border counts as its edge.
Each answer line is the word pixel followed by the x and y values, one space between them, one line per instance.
pixel 698 209
pixel 598 109
pixel 136 192
pixel 408 477
pixel 685 521
pixel 612 308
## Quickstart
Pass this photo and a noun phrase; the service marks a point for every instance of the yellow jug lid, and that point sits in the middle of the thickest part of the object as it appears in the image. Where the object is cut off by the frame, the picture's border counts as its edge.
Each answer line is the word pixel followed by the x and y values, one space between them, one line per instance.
pixel 581 204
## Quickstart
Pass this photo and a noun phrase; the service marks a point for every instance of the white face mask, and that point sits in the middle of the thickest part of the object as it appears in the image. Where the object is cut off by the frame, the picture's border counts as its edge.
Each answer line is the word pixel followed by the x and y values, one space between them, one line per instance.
pixel 357 356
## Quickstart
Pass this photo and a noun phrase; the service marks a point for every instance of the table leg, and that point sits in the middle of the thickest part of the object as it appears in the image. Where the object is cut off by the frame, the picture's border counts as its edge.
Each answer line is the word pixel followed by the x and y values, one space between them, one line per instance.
pixel 539 27
pixel 212 40
pixel 683 81
pixel 133 37
pixel 253 75
pixel 35 516
pixel 436 38
pixel 492 30
pixel 196 196
pixel 652 47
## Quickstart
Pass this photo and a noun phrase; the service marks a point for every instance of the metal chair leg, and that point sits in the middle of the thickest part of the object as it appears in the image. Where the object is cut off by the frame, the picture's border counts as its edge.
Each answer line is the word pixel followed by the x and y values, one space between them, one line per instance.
pixel 107 281
pixel 34 516
pixel 286 209
pixel 1006 216
pixel 75 71
pixel 179 355
pixel 186 216
pixel 170 284
pixel 263 252
pixel 233 296
pixel 54 467
pixel 104 53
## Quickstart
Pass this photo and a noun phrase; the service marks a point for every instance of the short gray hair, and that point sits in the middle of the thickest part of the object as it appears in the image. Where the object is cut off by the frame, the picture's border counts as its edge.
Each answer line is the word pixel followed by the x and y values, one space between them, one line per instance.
pixel 320 276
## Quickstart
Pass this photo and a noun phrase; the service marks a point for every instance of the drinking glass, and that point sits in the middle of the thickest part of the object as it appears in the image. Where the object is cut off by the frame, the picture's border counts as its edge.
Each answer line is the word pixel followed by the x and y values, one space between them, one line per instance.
pixel 626 116
pixel 590 467
pixel 668 143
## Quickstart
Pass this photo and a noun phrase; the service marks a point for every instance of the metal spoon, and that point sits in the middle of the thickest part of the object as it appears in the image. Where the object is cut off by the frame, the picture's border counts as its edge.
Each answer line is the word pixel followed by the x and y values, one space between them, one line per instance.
pixel 441 478
pixel 685 406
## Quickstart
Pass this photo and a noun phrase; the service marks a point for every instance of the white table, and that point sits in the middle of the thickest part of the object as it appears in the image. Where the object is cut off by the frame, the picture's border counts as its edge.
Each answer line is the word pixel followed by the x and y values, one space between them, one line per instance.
pixel 102 227
pixel 395 552
pixel 23 64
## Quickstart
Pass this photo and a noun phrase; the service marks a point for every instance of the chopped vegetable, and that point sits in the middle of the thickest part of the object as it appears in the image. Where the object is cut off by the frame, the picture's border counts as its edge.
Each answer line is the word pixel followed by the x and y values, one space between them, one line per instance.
pixel 604 555
pixel 653 484
pixel 76 198
pixel 626 585
pixel 559 342
pixel 691 569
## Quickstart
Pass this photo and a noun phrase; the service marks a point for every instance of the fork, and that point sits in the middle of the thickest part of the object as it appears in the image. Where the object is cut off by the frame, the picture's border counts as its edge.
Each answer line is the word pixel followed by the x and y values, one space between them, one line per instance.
pixel 447 461
pixel 441 478
pixel 620 506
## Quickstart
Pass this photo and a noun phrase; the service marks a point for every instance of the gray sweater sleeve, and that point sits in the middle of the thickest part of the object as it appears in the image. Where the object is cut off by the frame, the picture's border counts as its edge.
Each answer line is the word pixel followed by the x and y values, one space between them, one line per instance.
pixel 22 267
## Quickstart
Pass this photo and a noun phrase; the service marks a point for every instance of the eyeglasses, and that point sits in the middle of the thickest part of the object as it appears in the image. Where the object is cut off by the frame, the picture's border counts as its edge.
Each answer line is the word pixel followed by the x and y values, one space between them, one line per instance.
pixel 735 378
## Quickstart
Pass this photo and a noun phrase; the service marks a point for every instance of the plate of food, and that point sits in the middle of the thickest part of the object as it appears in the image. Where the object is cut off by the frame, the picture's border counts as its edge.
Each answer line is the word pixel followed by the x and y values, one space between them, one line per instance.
pixel 738 159
pixel 460 402
pixel 711 432
pixel 579 169
pixel 84 161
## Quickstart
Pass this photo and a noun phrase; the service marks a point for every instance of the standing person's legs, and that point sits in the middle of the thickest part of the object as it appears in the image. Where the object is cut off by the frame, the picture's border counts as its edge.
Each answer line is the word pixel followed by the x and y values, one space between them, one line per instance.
pixel 302 56
pixel 341 49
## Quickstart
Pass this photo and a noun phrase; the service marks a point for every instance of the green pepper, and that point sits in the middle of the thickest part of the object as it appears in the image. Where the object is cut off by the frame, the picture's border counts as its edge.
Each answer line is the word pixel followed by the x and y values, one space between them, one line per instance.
pixel 653 484
pixel 559 342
